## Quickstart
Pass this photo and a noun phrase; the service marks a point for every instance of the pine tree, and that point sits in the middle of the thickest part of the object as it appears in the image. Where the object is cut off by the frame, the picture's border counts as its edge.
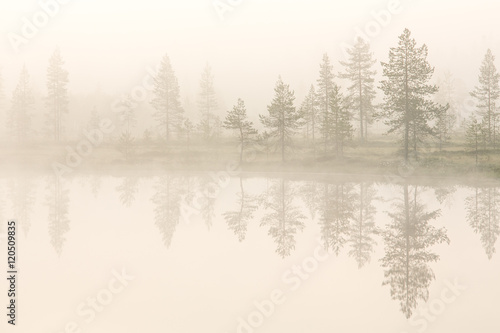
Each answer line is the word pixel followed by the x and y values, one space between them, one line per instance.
pixel 325 86
pixel 19 121
pixel 310 112
pixel 358 71
pixel 166 99
pixel 237 119
pixel 57 96
pixel 283 120
pixel 407 108
pixel 207 103
pixel 487 93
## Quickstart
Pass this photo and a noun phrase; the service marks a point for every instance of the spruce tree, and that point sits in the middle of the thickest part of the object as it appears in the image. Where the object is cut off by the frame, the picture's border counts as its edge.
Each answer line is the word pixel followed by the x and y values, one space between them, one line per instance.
pixel 338 128
pixel 19 121
pixel 358 70
pixel 310 112
pixel 325 86
pixel 283 120
pixel 57 96
pixel 487 93
pixel 166 99
pixel 207 103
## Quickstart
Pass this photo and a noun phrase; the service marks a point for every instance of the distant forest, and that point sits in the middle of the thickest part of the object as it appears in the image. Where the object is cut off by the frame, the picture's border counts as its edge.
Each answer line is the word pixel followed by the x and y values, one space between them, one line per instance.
pixel 331 126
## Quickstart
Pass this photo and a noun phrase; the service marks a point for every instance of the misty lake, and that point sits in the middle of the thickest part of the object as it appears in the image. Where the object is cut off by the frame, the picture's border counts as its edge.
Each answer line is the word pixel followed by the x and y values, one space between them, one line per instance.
pixel 255 254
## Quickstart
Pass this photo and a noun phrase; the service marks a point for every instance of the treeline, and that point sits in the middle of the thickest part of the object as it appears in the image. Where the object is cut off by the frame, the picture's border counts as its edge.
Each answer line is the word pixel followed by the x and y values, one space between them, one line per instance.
pixel 326 121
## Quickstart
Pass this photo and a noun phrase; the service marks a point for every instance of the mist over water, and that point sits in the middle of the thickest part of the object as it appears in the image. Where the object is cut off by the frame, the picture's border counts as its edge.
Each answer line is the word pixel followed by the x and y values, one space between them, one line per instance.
pixel 250 166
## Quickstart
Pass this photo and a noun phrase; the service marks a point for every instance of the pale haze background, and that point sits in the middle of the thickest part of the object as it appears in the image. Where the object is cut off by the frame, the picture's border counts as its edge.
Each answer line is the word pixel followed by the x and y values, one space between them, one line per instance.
pixel 107 45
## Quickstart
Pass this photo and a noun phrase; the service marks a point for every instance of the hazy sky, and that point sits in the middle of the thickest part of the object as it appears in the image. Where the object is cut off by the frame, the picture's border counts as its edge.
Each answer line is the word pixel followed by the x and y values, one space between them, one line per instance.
pixel 108 44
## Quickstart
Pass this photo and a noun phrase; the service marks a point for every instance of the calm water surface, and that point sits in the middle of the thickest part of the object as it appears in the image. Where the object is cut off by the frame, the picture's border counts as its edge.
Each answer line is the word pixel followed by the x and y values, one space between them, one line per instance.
pixel 254 255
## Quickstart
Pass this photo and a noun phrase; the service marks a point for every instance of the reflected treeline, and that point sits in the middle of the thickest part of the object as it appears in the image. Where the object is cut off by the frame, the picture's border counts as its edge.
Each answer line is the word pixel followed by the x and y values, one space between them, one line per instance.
pixel 363 229
pixel 483 215
pixel 57 201
pixel 205 203
pixel 283 217
pixel 238 220
pixel 127 190
pixel 408 239
pixel 22 195
pixel 345 214
pixel 336 209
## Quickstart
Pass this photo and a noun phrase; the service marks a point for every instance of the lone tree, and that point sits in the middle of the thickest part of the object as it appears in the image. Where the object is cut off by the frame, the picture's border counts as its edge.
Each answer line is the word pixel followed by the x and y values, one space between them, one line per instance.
pixel 207 103
pixel 19 121
pixel 325 86
pixel 358 70
pixel 237 119
pixel 57 96
pixel 283 120
pixel 487 93
pixel 310 112
pixel 407 108
pixel 166 99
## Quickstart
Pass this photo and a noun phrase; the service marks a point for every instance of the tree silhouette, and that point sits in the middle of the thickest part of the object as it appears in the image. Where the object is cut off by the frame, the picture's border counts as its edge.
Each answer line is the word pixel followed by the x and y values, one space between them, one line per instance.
pixel 19 122
pixel 483 215
pixel 487 93
pixel 237 119
pixel 167 202
pixel 408 238
pixel 58 202
pixel 238 220
pixel 310 110
pixel 336 214
pixel 128 190
pixel 339 126
pixel 284 219
pixel 310 192
pixel 166 99
pixel 57 96
pixel 325 87
pixel 283 120
pixel 207 103
pixel 363 227
pixel 407 108
pixel 358 71
pixel 22 195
